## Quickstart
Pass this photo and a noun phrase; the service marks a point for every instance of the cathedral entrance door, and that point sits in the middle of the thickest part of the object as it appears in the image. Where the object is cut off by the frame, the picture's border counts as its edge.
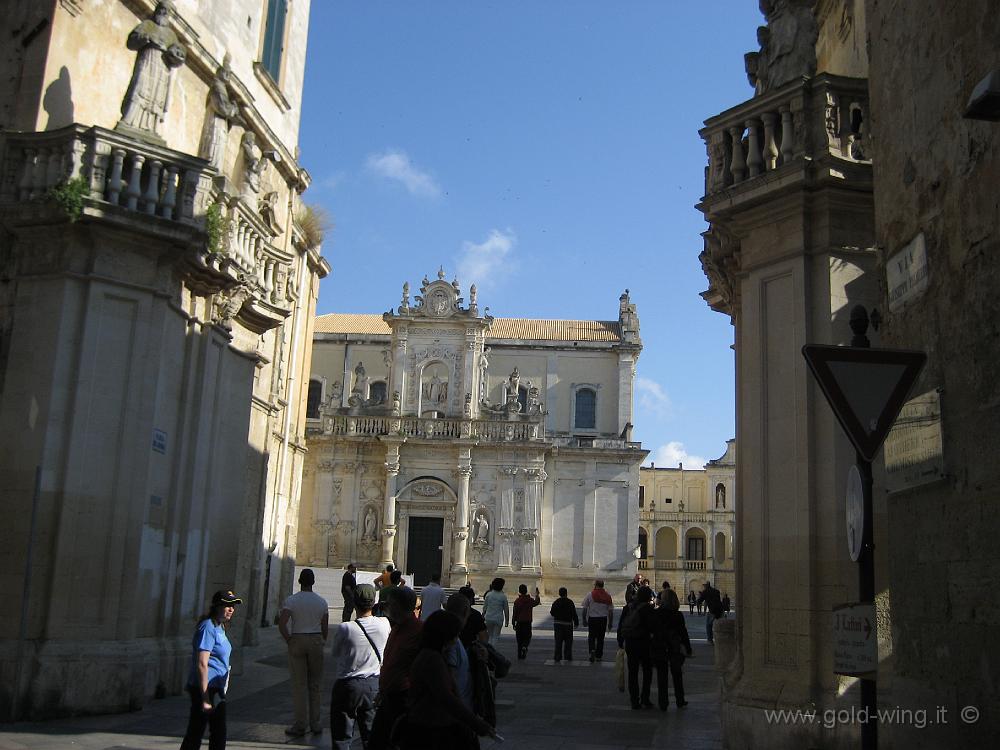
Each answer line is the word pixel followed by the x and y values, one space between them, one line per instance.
pixel 425 539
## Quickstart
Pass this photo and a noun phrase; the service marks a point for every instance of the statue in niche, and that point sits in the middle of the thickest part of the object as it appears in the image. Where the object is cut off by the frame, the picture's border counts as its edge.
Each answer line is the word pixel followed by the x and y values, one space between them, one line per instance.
pixel 481 534
pixel 435 390
pixel 158 52
pixel 370 534
pixel 221 113
pixel 720 496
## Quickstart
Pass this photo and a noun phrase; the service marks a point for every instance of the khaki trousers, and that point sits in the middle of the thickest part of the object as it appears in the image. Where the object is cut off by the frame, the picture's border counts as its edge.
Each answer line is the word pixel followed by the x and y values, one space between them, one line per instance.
pixel 305 662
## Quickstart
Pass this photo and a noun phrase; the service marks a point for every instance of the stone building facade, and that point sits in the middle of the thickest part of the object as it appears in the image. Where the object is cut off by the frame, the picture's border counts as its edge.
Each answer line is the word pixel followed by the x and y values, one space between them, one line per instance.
pixel 851 178
pixel 159 288
pixel 445 440
pixel 687 524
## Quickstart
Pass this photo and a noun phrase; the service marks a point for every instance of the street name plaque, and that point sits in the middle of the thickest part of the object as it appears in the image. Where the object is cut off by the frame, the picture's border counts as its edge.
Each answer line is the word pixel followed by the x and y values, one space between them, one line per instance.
pixel 914 453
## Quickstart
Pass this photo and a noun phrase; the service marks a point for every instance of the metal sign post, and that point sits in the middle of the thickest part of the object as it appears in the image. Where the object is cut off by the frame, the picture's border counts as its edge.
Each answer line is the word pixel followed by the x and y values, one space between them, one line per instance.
pixel 866 389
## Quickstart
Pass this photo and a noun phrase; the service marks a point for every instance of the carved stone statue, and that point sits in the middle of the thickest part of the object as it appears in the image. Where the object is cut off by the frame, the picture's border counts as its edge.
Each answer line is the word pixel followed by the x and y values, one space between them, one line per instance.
pixel 360 381
pixel 370 534
pixel 513 382
pixel 467 408
pixel 221 113
pixel 482 532
pixel 254 161
pixel 158 52
pixel 792 36
pixel 720 496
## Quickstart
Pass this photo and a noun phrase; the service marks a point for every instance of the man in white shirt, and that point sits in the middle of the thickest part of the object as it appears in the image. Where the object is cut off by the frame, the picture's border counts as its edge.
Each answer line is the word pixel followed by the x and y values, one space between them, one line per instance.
pixel 303 622
pixel 431 597
pixel 357 652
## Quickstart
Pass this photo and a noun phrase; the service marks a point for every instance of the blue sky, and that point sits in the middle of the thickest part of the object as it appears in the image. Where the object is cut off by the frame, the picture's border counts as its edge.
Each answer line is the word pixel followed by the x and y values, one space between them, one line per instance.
pixel 547 151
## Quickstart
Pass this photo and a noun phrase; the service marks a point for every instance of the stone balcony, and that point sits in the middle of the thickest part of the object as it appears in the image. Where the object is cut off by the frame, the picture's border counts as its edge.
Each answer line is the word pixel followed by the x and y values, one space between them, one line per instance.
pixel 141 187
pixel 426 428
pixel 806 130
pixel 682 516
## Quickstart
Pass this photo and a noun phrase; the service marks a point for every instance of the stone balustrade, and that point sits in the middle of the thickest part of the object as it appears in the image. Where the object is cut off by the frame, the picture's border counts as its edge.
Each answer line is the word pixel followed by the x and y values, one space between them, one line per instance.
pixel 682 516
pixel 567 441
pixel 803 120
pixel 485 430
pixel 119 171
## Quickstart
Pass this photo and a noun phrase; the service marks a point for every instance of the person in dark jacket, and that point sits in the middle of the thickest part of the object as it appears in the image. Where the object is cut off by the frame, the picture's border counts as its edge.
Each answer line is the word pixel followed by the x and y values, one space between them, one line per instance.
pixel 635 630
pixel 564 619
pixel 713 603
pixel 669 646
pixel 523 607
pixel 437 718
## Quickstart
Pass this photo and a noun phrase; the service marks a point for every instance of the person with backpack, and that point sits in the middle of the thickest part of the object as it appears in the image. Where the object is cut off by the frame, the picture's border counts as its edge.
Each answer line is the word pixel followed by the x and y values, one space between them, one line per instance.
pixel 669 646
pixel 635 631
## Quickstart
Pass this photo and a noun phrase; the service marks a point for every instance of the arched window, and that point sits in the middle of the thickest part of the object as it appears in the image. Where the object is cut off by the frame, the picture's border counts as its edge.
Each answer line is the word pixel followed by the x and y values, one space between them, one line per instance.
pixel 377 392
pixel 585 410
pixel 314 399
pixel 522 398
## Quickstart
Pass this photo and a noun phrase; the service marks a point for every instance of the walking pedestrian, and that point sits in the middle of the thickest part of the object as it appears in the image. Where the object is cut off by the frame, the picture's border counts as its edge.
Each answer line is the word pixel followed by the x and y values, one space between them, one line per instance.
pixel 670 644
pixel 347 586
pixel 635 632
pixel 496 611
pixel 524 606
pixel 712 602
pixel 208 679
pixel 437 718
pixel 304 622
pixel 598 618
pixel 401 649
pixel 431 597
pixel 470 665
pixel 358 647
pixel 564 619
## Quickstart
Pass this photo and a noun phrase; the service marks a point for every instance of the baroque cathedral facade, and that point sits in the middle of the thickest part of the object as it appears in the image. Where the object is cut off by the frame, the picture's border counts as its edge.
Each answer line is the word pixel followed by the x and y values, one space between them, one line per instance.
pixel 444 440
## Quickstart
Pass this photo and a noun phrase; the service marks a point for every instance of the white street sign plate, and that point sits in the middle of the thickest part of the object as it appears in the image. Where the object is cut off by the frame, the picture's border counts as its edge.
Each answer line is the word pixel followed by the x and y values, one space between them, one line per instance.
pixel 855 640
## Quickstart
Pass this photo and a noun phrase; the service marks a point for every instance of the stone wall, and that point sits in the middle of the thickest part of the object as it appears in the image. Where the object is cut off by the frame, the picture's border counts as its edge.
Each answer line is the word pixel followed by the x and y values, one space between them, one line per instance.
pixel 936 175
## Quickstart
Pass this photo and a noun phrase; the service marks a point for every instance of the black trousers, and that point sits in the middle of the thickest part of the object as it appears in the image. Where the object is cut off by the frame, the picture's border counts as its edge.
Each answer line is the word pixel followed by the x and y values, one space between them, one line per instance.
pixel 348 609
pixel 391 707
pixel 639 657
pixel 564 642
pixel 597 628
pixel 522 631
pixel 215 720
pixel 352 702
pixel 675 667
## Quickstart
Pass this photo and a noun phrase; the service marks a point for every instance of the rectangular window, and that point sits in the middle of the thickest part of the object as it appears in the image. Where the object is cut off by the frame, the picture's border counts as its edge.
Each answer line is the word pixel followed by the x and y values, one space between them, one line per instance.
pixel 274 37
pixel 668 499
pixel 696 549
pixel 586 409
pixel 642 496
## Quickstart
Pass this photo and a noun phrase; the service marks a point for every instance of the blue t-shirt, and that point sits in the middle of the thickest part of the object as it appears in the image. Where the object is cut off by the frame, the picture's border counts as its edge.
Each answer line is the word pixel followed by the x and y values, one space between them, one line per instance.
pixel 457 659
pixel 212 638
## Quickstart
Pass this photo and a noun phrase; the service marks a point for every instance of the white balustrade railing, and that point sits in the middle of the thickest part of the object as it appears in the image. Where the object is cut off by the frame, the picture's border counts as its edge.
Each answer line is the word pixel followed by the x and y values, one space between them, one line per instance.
pixel 118 170
pixel 802 120
pixel 433 428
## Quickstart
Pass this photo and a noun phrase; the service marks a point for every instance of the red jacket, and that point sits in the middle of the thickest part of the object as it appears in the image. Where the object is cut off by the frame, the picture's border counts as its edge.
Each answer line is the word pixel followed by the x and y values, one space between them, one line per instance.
pixel 523 606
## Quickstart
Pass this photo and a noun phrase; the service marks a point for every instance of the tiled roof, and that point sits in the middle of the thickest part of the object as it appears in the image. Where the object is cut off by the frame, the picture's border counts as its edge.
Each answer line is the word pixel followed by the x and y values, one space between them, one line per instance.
pixel 503 328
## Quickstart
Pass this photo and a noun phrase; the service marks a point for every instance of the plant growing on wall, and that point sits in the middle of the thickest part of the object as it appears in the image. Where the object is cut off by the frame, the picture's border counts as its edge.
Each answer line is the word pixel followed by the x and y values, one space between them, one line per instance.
pixel 69 195
pixel 215 227
pixel 313 222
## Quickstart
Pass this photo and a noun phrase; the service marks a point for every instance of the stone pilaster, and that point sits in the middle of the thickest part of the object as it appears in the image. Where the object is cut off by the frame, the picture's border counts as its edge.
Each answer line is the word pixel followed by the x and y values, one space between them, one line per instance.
pixel 389 505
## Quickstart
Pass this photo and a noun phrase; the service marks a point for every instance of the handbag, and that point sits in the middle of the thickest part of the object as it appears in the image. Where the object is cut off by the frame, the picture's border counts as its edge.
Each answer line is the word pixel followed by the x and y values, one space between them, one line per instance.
pixel 620 670
pixel 499 663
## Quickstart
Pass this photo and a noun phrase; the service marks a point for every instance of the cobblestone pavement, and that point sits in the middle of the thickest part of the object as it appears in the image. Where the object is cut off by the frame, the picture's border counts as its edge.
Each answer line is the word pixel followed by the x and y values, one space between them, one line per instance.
pixel 540 705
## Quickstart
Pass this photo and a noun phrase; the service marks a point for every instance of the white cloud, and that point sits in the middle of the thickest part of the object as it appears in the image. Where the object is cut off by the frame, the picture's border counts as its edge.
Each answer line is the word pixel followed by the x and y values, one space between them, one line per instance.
pixel 652 399
pixel 673 453
pixel 393 164
pixel 484 262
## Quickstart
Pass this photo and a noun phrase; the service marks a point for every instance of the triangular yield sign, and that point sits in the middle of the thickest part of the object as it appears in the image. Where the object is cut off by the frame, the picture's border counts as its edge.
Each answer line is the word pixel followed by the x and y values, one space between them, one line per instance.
pixel 866 388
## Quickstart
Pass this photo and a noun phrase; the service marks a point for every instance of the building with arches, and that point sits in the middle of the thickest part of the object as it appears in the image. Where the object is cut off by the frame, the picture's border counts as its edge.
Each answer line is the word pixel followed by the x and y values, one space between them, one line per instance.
pixel 442 439
pixel 687 522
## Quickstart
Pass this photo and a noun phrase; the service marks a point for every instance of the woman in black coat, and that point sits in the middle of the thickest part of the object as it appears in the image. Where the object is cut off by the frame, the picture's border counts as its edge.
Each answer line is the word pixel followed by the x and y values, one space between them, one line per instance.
pixel 670 644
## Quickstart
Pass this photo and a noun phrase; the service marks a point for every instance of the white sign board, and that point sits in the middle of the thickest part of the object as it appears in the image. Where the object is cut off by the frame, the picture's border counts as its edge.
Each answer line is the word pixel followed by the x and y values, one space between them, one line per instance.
pixel 906 273
pixel 914 453
pixel 855 640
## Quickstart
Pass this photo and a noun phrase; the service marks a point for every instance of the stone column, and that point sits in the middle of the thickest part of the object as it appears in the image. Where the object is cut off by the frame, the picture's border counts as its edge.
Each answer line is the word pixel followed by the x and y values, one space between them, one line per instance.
pixel 626 380
pixel 589 523
pixel 532 516
pixel 389 506
pixel 505 526
pixel 462 514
